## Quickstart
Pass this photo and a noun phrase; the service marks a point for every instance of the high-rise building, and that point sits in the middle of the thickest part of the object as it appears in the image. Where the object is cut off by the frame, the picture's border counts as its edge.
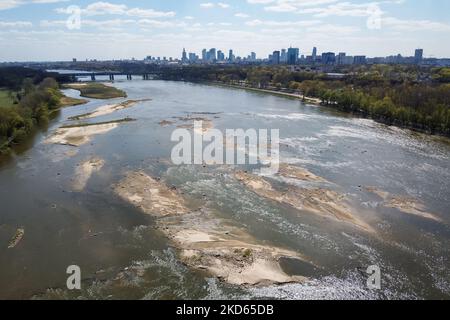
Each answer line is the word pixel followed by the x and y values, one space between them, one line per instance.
pixel 276 57
pixel 230 55
pixel 328 58
pixel 341 58
pixel 283 57
pixel 359 60
pixel 193 57
pixel 292 56
pixel 253 56
pixel 314 54
pixel 418 56
pixel 204 55
pixel 348 60
pixel 184 57
pixel 220 56
pixel 212 55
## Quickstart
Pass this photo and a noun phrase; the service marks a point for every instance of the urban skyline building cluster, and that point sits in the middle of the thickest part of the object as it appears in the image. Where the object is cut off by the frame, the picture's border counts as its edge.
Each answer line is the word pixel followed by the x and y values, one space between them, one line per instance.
pixel 293 56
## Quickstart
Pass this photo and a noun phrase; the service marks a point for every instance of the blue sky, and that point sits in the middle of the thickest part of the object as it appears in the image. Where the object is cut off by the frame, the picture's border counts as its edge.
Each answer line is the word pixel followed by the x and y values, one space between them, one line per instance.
pixel 115 29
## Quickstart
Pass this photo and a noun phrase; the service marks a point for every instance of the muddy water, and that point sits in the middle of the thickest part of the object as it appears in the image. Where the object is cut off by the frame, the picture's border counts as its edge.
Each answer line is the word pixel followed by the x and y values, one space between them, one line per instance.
pixel 123 255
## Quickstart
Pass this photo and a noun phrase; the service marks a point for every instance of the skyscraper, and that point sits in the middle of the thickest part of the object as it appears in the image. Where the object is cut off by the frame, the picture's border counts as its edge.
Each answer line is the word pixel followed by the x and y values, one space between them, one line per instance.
pixel 359 60
pixel 341 58
pixel 253 56
pixel 283 57
pixel 193 57
pixel 212 55
pixel 184 57
pixel 230 55
pixel 276 57
pixel 220 56
pixel 418 56
pixel 314 54
pixel 292 56
pixel 204 55
pixel 328 58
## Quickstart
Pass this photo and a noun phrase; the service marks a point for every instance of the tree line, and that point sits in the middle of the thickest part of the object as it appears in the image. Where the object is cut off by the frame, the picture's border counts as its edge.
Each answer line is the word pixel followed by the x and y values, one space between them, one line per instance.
pixel 407 96
pixel 37 97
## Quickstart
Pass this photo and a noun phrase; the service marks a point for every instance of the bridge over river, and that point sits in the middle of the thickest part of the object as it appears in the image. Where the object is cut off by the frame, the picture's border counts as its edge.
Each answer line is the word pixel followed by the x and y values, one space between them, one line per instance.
pixel 111 75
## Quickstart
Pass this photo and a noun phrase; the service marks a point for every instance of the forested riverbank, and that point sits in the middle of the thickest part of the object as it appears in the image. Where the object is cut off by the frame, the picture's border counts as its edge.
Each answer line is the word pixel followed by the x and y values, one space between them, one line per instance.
pixel 404 96
pixel 34 97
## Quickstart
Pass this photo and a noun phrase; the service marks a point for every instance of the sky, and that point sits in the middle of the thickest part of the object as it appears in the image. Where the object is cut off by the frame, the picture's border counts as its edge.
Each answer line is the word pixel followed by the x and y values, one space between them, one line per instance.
pixel 48 30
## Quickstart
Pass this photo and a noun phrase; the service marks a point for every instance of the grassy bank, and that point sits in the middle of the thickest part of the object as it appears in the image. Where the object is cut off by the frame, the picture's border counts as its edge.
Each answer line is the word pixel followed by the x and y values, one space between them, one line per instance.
pixel 6 100
pixel 274 92
pixel 96 90
pixel 70 102
pixel 80 125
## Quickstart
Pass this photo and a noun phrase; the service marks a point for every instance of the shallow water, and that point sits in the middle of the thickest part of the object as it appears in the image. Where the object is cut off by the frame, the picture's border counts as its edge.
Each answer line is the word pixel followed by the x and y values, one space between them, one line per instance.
pixel 122 255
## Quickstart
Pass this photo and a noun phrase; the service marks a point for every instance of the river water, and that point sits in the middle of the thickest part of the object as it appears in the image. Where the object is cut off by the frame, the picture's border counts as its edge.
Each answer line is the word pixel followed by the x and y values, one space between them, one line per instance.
pixel 110 240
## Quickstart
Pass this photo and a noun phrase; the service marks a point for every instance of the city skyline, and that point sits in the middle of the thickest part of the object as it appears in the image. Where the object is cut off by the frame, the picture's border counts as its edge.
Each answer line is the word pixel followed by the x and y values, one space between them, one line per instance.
pixel 293 56
pixel 37 30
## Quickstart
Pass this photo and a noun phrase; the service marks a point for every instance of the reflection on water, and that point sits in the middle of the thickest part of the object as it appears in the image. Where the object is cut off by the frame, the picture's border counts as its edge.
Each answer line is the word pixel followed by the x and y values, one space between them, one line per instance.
pixel 122 255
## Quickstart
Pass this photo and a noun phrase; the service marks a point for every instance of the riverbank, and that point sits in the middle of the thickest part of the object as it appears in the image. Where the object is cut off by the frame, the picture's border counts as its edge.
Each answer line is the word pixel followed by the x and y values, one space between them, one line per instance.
pixel 319 102
pixel 64 102
pixel 311 100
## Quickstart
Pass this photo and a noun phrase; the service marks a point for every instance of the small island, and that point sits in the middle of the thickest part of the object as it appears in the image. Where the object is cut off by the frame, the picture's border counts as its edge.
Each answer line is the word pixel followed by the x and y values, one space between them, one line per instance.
pixel 66 101
pixel 96 90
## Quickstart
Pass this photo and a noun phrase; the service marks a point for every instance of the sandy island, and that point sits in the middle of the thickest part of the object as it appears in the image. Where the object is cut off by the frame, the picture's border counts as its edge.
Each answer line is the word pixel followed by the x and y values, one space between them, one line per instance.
pixel 108 109
pixel 323 202
pixel 84 171
pixel 205 241
pixel 188 123
pixel 404 204
pixel 77 136
pixel 294 172
pixel 206 124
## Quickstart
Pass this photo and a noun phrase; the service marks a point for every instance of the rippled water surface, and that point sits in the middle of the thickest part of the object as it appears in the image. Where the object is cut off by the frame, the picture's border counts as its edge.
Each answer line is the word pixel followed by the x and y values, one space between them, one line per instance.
pixel 122 255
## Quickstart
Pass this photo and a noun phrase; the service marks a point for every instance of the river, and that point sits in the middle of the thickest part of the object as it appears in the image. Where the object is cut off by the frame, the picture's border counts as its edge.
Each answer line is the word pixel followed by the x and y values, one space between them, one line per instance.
pixel 123 256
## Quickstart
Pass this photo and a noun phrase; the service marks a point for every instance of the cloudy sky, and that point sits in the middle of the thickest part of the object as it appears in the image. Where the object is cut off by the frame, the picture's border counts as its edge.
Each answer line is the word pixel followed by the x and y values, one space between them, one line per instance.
pixel 113 29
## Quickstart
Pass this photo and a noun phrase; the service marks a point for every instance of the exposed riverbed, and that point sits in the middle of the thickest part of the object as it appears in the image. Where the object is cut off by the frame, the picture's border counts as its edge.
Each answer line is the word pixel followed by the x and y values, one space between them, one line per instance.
pixel 350 193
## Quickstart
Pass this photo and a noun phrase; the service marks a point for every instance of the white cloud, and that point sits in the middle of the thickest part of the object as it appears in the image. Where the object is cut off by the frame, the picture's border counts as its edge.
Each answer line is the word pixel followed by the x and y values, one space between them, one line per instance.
pixel 15 24
pixel 223 5
pixel 207 5
pixel 414 25
pixel 107 8
pixel 150 13
pixel 241 15
pixel 9 4
pixel 271 23
pixel 342 9
pixel 48 1
pixel 289 5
